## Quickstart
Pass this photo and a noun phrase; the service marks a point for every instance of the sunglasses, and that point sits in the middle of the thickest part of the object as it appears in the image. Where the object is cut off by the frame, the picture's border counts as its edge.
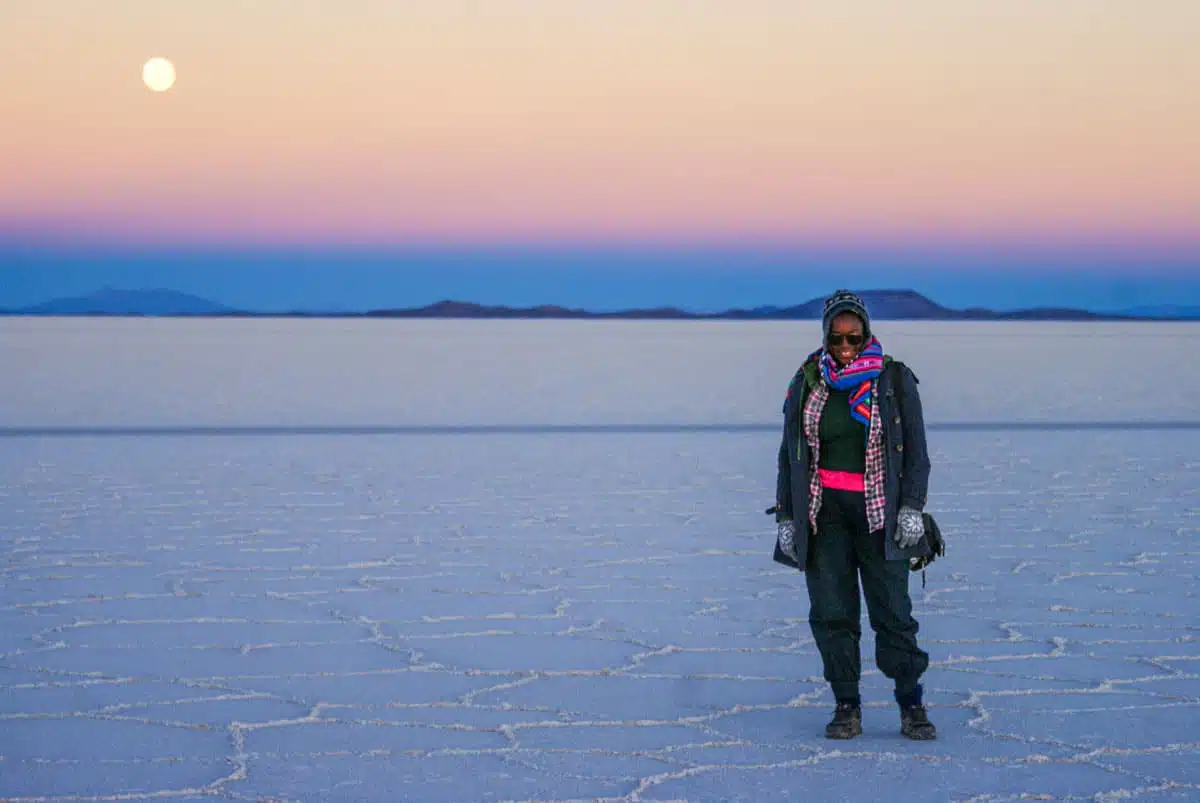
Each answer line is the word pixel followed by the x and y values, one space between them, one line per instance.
pixel 854 339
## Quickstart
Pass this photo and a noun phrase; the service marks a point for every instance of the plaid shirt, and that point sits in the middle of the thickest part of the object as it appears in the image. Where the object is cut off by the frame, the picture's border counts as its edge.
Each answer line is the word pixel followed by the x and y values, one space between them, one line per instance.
pixel 872 478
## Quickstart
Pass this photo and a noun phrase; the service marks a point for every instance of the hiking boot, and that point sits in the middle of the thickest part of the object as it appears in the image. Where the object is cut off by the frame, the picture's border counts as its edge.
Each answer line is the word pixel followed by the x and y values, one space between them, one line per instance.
pixel 846 722
pixel 915 724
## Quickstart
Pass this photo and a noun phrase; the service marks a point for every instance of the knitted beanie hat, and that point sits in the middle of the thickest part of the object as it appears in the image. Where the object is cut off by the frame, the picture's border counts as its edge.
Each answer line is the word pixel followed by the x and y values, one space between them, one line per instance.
pixel 845 301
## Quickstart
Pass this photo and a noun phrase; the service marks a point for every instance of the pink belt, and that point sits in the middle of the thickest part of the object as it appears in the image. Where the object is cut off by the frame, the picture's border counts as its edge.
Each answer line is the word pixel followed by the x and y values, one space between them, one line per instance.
pixel 841 480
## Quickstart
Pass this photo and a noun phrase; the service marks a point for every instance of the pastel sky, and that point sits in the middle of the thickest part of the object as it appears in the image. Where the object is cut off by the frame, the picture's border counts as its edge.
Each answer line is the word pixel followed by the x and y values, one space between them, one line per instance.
pixel 991 127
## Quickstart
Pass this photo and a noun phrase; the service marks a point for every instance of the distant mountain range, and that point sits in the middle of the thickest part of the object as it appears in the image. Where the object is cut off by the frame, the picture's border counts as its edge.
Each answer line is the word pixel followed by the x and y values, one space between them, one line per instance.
pixel 884 305
pixel 111 301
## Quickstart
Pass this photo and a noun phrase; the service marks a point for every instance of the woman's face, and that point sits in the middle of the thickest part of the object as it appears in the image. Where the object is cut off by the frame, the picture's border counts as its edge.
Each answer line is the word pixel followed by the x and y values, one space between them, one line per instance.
pixel 845 337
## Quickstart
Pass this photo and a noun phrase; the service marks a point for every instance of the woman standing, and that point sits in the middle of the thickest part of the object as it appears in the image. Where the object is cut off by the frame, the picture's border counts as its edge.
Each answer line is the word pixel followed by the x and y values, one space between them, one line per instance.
pixel 853 478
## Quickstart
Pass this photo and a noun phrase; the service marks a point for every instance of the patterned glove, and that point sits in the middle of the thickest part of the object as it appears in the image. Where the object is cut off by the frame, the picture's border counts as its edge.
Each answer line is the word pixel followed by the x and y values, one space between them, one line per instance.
pixel 786 534
pixel 910 528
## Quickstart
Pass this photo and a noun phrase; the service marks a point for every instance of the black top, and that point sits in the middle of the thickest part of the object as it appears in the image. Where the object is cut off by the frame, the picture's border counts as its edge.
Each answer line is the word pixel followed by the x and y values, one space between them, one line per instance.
pixel 843 438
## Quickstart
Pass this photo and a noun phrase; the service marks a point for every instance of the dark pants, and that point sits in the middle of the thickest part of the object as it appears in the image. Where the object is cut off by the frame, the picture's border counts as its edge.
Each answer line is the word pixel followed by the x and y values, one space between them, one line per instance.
pixel 839 552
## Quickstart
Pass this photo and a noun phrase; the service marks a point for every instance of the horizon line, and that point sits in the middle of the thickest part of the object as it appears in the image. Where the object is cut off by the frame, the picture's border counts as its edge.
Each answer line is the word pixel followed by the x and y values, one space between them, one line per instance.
pixel 366 310
pixel 1138 313
pixel 257 430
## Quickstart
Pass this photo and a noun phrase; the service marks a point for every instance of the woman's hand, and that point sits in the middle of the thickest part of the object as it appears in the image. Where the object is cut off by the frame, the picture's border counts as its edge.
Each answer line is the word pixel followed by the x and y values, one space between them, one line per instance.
pixel 910 527
pixel 786 535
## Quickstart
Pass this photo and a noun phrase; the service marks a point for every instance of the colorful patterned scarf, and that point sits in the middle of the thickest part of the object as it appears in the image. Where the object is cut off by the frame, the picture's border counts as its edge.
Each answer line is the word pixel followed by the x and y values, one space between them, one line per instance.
pixel 857 377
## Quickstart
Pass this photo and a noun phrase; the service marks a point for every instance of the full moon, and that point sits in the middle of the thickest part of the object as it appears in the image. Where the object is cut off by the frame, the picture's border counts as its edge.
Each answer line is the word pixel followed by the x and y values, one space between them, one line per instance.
pixel 158 74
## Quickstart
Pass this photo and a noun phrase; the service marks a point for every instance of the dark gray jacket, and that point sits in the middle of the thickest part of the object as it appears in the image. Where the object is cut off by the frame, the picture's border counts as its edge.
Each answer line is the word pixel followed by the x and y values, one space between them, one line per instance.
pixel 906 455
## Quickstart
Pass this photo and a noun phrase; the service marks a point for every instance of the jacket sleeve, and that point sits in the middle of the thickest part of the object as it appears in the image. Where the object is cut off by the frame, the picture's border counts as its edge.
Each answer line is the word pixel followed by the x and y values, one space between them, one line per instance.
pixel 783 481
pixel 914 484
